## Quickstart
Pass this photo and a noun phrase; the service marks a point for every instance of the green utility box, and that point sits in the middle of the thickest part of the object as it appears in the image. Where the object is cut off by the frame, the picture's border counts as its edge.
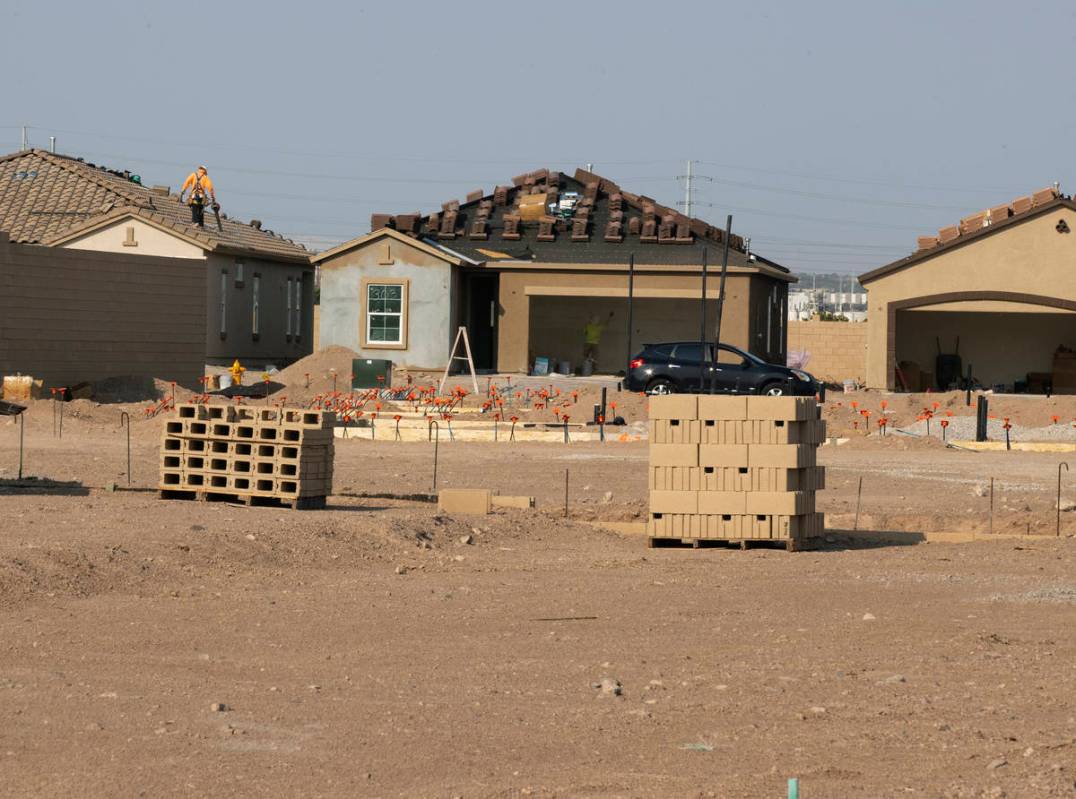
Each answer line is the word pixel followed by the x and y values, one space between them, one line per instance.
pixel 370 373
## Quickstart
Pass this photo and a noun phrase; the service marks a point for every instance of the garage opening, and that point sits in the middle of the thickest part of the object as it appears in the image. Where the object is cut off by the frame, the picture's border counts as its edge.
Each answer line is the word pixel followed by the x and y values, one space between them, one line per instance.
pixel 556 327
pixel 1011 346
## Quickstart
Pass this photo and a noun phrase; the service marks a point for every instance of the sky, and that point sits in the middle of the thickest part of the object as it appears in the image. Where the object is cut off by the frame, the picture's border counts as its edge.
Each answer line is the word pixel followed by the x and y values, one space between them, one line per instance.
pixel 834 133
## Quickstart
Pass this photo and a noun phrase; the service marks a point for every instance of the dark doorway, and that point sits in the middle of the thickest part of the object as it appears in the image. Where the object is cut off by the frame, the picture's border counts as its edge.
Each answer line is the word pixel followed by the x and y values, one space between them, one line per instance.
pixel 482 314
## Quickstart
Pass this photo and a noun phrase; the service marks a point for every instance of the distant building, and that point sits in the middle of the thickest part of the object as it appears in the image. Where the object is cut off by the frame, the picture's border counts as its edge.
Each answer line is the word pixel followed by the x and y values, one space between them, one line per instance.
pixel 525 267
pixel 259 287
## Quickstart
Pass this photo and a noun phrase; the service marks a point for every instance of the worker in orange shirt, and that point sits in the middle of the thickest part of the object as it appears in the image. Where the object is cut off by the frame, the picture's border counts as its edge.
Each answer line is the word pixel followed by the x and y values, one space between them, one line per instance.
pixel 201 188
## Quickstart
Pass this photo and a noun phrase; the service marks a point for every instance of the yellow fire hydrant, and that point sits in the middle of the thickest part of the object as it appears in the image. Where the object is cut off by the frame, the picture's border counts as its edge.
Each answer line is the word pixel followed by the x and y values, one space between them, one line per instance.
pixel 237 373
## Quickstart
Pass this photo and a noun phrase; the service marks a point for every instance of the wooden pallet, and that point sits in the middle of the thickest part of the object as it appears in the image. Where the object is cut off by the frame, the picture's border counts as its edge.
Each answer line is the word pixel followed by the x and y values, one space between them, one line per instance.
pixel 260 500
pixel 788 544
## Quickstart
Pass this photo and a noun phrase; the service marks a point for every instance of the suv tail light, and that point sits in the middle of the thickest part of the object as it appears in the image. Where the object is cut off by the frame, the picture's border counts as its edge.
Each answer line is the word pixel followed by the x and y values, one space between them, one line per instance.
pixel 635 363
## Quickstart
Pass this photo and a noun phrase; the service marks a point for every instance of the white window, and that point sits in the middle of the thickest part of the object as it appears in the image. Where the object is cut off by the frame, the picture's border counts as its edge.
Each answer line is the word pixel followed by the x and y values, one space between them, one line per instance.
pixel 384 313
pixel 298 308
pixel 287 314
pixel 238 272
pixel 223 302
pixel 255 289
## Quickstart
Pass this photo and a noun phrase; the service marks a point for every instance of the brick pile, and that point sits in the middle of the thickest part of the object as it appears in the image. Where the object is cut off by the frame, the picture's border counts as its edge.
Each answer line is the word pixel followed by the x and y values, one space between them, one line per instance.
pixel 248 454
pixel 735 468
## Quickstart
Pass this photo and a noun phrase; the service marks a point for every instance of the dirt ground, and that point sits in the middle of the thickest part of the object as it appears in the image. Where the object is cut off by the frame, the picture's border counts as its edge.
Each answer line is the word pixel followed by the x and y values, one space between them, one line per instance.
pixel 367 650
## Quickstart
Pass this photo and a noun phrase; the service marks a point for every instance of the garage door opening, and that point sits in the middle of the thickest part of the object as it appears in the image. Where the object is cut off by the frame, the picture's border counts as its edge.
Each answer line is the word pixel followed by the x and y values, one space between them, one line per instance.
pixel 556 327
pixel 1007 349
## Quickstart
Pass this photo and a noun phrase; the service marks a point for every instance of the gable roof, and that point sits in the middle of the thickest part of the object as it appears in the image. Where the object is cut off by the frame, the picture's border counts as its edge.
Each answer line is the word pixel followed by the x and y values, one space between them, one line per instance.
pixel 427 247
pixel 969 235
pixel 594 221
pixel 49 199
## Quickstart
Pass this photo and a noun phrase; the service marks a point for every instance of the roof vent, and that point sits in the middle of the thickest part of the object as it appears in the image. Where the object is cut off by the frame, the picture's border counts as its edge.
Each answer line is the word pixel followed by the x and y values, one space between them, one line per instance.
pixel 160 191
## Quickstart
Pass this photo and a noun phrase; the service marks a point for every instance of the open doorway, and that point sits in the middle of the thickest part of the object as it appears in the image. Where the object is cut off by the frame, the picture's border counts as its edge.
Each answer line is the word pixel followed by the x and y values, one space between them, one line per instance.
pixel 481 319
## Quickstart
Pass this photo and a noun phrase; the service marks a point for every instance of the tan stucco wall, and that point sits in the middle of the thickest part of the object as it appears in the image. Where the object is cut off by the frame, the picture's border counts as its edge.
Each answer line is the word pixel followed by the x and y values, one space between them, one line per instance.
pixel 517 287
pixel 837 350
pixel 1026 258
pixel 150 241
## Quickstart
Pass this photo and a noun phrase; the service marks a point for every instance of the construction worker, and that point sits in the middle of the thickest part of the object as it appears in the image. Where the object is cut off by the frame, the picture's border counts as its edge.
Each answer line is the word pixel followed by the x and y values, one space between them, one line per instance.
pixel 592 336
pixel 201 188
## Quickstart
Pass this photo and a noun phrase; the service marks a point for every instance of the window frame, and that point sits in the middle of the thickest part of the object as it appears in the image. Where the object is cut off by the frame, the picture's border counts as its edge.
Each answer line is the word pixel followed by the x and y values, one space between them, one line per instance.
pixel 223 303
pixel 255 305
pixel 239 273
pixel 287 311
pixel 364 316
pixel 299 308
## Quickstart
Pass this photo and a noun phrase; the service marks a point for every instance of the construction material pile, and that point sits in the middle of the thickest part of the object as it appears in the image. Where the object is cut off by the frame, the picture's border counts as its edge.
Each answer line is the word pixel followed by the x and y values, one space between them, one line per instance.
pixel 247 454
pixel 735 468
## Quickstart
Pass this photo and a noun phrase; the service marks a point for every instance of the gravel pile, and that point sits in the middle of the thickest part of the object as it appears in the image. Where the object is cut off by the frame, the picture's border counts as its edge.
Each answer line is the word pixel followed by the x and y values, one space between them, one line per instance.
pixel 962 428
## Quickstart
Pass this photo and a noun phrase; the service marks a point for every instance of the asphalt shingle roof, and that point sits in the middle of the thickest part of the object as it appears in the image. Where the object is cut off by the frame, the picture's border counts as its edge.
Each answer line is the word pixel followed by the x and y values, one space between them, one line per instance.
pixel 45 197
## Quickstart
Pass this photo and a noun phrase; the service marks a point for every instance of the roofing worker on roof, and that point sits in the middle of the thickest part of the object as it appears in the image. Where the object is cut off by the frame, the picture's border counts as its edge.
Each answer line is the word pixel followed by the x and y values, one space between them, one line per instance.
pixel 201 188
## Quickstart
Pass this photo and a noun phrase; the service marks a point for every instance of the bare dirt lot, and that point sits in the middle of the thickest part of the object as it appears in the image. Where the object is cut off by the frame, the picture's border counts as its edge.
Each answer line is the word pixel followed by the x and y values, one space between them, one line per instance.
pixel 367 650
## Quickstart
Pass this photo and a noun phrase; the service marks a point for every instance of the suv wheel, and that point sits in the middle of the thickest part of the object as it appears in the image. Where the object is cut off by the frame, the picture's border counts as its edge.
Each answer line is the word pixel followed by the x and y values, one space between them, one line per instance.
pixel 773 390
pixel 660 386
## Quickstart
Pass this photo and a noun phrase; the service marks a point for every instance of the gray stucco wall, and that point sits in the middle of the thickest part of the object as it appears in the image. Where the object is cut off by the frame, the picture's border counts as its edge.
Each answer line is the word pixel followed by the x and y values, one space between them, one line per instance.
pixel 431 306
pixel 273 344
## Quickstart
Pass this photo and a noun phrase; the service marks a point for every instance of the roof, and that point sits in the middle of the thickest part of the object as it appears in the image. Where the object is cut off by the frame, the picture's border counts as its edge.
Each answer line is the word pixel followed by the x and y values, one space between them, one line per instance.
pixel 975 227
pixel 428 247
pixel 551 217
pixel 49 199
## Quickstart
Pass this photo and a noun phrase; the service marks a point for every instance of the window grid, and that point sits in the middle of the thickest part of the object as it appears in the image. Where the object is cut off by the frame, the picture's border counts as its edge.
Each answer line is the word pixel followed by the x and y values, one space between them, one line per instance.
pixel 384 313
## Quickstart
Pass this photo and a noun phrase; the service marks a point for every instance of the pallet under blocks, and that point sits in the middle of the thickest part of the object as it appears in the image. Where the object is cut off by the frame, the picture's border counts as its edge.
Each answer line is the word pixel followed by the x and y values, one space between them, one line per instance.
pixel 248 454
pixel 735 469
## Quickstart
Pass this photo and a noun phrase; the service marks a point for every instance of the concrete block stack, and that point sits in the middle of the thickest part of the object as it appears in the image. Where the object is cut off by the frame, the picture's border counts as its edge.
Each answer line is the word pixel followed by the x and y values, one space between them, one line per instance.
pixel 735 468
pixel 250 454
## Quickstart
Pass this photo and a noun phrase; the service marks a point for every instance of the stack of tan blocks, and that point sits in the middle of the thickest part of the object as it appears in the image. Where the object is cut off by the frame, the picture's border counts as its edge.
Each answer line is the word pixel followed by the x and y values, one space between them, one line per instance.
pixel 735 468
pixel 277 455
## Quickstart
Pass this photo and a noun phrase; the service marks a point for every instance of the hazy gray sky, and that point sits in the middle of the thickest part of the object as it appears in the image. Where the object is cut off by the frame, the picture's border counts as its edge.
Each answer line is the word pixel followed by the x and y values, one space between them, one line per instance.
pixel 834 132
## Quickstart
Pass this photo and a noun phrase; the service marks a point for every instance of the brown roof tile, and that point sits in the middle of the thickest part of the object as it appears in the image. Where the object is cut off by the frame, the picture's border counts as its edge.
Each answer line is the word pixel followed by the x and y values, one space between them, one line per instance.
pixel 46 197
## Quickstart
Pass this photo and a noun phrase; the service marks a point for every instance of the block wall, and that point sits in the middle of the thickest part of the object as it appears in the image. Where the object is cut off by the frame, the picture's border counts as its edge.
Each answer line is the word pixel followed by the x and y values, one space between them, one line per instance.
pixel 838 350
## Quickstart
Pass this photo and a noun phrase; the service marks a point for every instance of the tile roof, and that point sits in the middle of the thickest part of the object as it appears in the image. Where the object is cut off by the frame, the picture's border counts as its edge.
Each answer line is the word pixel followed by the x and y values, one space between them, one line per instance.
pixel 595 222
pixel 976 226
pixel 46 198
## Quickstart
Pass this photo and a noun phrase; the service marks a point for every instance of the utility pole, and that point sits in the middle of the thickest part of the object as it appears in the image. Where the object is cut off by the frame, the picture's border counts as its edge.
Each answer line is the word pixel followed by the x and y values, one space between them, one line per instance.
pixel 689 177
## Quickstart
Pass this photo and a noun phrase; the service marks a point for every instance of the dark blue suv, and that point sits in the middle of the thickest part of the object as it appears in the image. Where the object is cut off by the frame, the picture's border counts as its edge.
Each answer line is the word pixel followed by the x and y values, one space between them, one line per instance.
pixel 675 367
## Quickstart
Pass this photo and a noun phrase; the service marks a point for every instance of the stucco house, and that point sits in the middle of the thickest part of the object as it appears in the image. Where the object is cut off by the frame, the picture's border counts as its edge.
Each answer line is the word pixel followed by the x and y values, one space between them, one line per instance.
pixel 259 286
pixel 525 267
pixel 1003 281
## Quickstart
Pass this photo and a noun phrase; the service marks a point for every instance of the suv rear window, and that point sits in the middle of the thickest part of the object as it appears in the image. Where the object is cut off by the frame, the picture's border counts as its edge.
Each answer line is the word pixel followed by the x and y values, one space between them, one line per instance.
pixel 689 352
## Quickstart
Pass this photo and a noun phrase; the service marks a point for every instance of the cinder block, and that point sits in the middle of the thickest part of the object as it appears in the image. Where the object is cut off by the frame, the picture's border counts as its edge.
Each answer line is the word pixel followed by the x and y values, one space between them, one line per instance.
pixel 674 455
pixel 674 431
pixel 725 455
pixel 775 503
pixel 675 478
pixel 674 501
pixel 789 409
pixel 722 502
pixel 725 478
pixel 513 502
pixel 786 456
pixel 724 407
pixel 674 406
pixel 465 500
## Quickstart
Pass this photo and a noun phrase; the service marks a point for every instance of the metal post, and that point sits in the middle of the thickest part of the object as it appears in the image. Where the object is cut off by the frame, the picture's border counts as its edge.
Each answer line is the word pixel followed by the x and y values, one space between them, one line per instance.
pixel 631 298
pixel 61 416
pixel 967 388
pixel 126 417
pixel 721 298
pixel 22 434
pixel 982 408
pixel 991 506
pixel 565 493
pixel 436 441
pixel 1058 532
pixel 859 498
pixel 702 325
